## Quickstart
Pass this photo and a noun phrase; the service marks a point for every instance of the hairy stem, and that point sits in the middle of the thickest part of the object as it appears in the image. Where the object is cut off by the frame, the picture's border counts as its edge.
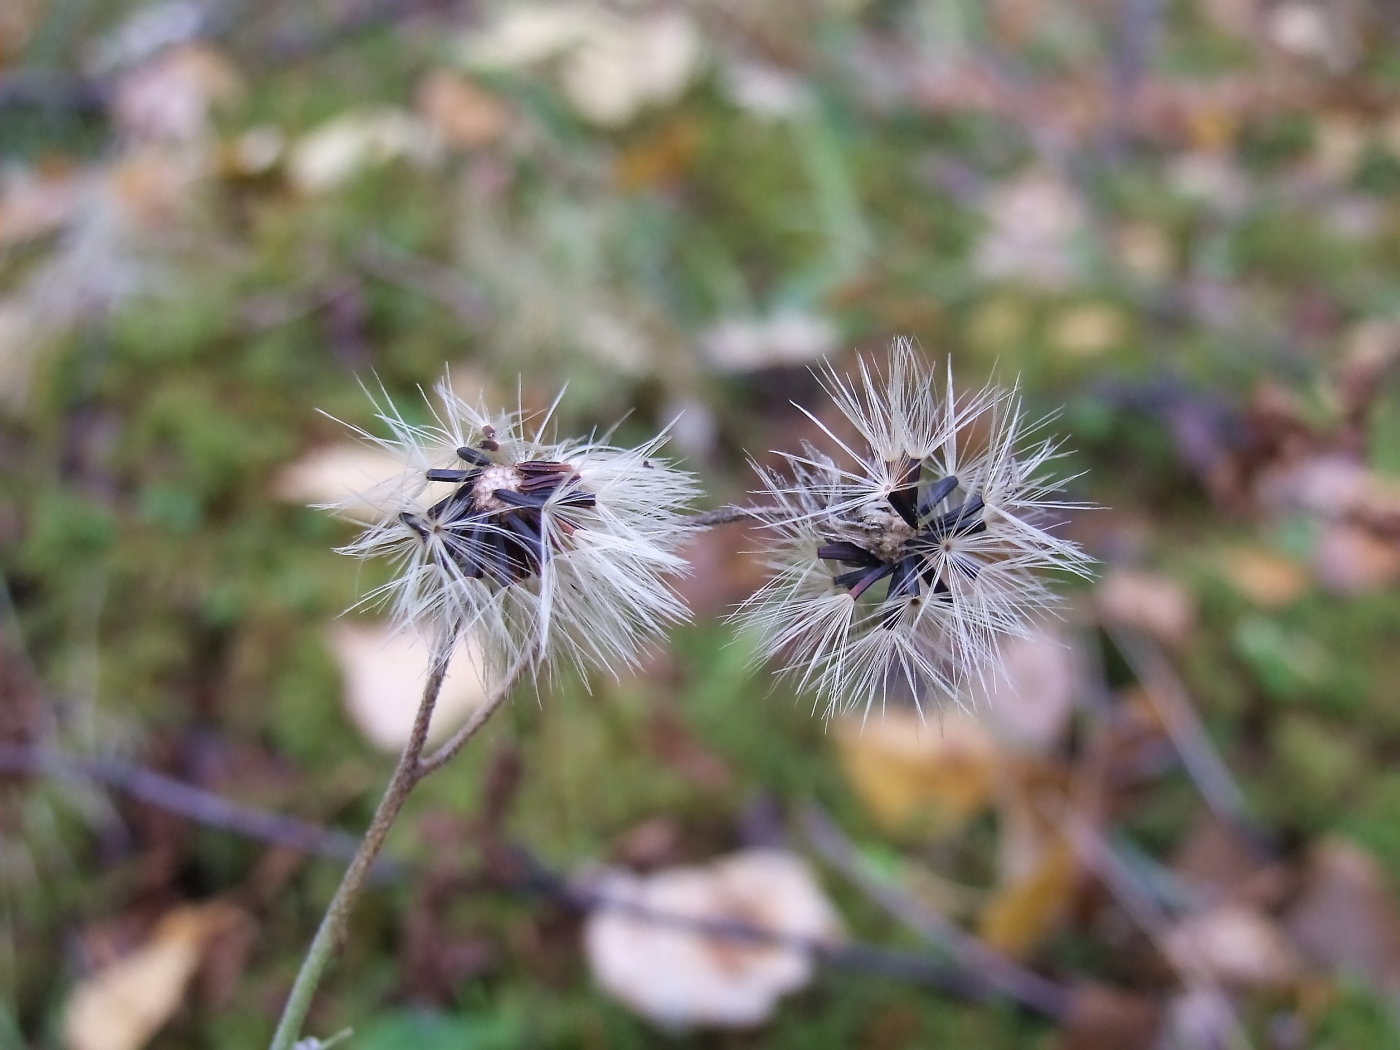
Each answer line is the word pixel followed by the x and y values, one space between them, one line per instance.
pixel 723 516
pixel 444 753
pixel 407 773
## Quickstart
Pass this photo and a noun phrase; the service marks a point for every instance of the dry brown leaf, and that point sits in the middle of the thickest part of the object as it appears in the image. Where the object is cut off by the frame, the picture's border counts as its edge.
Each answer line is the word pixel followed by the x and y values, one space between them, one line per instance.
pixel 35 203
pixel 1265 578
pixel 1149 602
pixel 170 97
pixel 462 113
pixel 1353 560
pixel 1102 1018
pixel 659 159
pixel 124 1004
pixel 1346 916
pixel 1233 944
pixel 1220 863
pixel 917 775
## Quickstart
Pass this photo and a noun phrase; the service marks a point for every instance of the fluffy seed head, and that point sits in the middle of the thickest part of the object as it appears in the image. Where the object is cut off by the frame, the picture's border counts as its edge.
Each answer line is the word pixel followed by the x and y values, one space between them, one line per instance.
pixel 898 571
pixel 546 551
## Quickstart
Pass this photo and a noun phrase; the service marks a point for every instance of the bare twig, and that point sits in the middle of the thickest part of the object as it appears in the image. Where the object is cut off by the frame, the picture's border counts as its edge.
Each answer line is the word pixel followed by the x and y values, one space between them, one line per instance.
pixel 176 796
pixel 846 955
pixel 1203 763
pixel 965 974
pixel 444 753
pixel 724 515
pixel 992 971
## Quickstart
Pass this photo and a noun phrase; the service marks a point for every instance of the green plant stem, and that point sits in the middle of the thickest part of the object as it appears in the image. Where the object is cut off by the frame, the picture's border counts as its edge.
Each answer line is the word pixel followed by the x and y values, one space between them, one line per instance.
pixel 410 770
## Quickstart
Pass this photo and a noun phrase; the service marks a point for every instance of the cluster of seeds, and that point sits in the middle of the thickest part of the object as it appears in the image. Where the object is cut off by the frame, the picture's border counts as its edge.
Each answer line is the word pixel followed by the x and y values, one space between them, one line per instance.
pixel 899 574
pixel 492 524
pixel 906 555
pixel 544 551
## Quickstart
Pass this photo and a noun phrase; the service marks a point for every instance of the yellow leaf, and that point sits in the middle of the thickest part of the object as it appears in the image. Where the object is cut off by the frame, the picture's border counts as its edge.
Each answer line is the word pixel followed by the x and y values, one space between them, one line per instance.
pixel 124 1004
pixel 917 775
pixel 1022 912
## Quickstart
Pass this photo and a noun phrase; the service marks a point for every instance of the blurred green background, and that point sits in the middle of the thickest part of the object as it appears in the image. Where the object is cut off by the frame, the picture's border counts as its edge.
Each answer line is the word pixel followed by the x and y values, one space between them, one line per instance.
pixel 1176 222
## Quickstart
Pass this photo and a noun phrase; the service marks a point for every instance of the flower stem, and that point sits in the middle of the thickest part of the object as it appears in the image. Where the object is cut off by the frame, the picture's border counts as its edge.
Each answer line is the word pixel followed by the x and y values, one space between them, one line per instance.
pixel 409 771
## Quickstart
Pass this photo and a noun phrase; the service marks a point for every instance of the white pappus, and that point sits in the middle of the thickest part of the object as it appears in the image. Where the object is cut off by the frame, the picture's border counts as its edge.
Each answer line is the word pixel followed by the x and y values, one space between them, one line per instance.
pixel 898 573
pixel 547 551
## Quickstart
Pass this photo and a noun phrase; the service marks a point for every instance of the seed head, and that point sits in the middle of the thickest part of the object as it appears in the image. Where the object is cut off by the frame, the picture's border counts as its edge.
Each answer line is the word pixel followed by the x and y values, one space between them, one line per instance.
pixel 900 573
pixel 546 551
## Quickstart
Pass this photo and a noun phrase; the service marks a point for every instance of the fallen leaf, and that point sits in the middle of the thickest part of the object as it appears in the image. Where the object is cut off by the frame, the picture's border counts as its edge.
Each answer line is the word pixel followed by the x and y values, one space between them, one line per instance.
pixel 1030 700
pixel 1149 602
pixel 1102 1018
pixel 787 337
pixel 681 978
pixel 1145 249
pixel 678 748
pixel 1088 330
pixel 171 96
pixel 384 670
pixel 916 775
pixel 341 148
pixel 1036 222
pixel 463 114
pixel 659 159
pixel 1233 944
pixel 611 64
pixel 1345 917
pixel 1265 578
pixel 1020 914
pixel 1313 31
pixel 652 844
pixel 1219 863
pixel 125 1003
pixel 765 91
pixel 1352 560
pixel 347 474
pixel 1038 867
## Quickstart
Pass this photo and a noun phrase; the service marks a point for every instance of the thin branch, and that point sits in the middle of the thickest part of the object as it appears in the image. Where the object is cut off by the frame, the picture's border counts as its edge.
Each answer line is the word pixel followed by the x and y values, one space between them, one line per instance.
pixel 724 515
pixel 444 753
pixel 177 796
pixel 1203 763
pixel 851 956
pixel 993 971
pixel 958 977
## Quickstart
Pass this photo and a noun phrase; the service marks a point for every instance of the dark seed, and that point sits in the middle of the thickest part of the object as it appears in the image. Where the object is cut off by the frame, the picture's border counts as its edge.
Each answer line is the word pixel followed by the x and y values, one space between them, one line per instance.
pixel 936 494
pixel 543 466
pixel 471 455
pixel 846 552
pixel 443 474
pixel 870 578
pixel 414 522
pixel 904 499
pixel 518 499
